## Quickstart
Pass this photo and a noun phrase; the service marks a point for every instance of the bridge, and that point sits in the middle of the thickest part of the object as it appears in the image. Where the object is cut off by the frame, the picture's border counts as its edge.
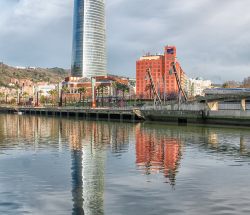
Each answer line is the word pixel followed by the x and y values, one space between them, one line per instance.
pixel 223 107
pixel 214 96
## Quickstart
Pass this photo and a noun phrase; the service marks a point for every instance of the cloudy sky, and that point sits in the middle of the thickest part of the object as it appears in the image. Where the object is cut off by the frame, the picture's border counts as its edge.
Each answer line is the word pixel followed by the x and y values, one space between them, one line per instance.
pixel 212 36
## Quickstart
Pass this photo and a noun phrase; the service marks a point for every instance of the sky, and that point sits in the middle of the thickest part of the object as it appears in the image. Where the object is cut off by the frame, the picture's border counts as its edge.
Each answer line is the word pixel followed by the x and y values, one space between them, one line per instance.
pixel 212 36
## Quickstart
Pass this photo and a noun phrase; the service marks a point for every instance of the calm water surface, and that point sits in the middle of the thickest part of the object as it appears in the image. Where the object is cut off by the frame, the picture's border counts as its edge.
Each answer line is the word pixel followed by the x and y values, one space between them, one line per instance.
pixel 70 166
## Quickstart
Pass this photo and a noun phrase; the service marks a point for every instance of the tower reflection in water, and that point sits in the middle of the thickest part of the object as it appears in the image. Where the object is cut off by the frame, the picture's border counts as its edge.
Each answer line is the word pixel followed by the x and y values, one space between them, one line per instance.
pixel 89 142
pixel 158 149
pixel 88 163
pixel 157 153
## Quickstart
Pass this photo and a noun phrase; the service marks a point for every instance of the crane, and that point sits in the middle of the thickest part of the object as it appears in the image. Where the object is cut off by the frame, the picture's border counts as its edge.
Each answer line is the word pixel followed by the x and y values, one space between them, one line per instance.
pixel 181 91
pixel 157 98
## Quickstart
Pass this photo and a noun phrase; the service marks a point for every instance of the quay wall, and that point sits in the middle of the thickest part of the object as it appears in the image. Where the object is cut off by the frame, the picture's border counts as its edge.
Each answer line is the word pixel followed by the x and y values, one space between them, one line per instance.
pixel 87 113
pixel 192 116
pixel 229 117
pixel 225 117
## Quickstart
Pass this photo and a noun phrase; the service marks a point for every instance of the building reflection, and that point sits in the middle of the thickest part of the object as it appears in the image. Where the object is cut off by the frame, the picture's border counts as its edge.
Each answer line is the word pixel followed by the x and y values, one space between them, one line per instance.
pixel 158 153
pixel 158 149
pixel 89 143
pixel 77 183
pixel 88 164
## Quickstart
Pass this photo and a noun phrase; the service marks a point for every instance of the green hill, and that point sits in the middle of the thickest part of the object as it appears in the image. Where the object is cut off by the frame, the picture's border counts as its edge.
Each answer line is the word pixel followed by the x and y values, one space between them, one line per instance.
pixel 51 75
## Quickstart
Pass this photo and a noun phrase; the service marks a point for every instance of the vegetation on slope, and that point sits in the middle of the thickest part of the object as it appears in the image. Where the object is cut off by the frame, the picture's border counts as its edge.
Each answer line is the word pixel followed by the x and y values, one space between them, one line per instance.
pixel 50 75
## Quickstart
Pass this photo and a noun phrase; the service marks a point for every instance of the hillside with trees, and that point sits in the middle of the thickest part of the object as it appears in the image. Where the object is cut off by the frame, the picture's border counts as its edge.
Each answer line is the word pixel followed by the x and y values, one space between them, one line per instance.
pixel 50 75
pixel 233 84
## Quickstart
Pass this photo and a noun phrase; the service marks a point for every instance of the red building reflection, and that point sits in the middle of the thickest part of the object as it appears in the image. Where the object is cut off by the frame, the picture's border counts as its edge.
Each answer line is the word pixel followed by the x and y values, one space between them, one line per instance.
pixel 158 153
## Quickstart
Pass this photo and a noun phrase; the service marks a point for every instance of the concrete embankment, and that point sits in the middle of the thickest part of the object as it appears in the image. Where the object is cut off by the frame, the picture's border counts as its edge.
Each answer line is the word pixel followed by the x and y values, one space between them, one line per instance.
pixel 224 117
pixel 85 113
pixel 228 117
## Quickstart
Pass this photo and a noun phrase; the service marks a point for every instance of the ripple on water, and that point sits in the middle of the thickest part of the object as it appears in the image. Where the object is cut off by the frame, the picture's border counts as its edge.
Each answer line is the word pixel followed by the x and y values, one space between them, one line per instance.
pixel 49 165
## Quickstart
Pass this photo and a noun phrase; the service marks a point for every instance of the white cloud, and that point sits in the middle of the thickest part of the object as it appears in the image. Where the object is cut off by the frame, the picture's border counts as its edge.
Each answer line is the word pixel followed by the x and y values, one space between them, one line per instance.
pixel 212 37
pixel 27 15
pixel 36 32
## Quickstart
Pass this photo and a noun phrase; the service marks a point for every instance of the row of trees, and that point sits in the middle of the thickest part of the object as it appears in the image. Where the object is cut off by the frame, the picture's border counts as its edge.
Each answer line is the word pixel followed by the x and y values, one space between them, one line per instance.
pixel 52 98
pixel 233 84
pixel 100 90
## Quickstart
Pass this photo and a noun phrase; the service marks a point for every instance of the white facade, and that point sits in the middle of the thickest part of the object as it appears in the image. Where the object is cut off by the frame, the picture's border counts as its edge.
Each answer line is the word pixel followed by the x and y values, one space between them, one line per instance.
pixel 89 39
pixel 45 89
pixel 197 87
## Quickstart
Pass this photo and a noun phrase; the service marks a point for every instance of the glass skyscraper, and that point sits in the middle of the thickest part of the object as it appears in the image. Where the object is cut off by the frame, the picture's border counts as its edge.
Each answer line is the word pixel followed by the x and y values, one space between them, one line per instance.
pixel 89 39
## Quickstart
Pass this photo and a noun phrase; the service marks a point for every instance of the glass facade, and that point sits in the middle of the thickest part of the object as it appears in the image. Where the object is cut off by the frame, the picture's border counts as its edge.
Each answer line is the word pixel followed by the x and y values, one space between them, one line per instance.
pixel 89 39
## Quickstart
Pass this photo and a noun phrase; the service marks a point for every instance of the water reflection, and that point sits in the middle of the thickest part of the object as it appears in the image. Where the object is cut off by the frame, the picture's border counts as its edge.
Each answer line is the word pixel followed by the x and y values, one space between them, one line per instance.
pixel 77 183
pixel 157 152
pixel 100 155
pixel 88 142
pixel 88 164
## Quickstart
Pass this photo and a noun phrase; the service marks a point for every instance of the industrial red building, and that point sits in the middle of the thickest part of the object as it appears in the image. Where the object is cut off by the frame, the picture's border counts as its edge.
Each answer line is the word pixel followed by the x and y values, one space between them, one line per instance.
pixel 160 69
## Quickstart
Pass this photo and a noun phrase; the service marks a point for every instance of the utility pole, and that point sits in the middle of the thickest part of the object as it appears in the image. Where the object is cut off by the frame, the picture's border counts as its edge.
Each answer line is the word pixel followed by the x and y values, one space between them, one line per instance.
pixel 93 86
pixel 60 94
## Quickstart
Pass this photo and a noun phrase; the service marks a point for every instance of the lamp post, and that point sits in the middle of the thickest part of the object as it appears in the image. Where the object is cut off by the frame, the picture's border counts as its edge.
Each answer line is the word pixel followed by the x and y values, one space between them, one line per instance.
pixel 93 83
pixel 18 97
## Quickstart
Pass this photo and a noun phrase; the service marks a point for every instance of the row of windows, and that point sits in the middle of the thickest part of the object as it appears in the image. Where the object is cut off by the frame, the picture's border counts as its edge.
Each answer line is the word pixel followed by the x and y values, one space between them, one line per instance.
pixel 95 14
pixel 94 57
pixel 89 46
pixel 94 40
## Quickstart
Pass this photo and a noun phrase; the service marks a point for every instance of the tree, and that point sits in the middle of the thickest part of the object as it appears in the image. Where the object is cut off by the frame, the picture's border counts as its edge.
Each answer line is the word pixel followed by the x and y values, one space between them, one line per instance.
pixel 101 88
pixel 53 94
pixel 25 95
pixel 63 91
pixel 2 96
pixel 246 83
pixel 82 92
pixel 230 84
pixel 122 87
pixel 42 99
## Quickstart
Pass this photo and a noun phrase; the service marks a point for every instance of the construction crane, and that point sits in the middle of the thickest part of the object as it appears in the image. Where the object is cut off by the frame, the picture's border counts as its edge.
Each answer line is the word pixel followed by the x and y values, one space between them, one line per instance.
pixel 157 98
pixel 181 91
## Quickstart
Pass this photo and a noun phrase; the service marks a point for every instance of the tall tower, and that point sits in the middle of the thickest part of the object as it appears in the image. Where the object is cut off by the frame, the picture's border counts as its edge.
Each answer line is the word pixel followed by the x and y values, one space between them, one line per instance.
pixel 89 39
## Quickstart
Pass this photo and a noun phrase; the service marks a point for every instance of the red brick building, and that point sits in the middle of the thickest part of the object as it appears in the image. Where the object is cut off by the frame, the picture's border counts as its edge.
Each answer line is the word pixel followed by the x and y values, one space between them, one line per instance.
pixel 160 68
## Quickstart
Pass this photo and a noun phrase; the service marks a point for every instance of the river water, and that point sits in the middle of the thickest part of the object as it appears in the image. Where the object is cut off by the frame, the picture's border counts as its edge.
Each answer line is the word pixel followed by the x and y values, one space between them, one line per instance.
pixel 70 166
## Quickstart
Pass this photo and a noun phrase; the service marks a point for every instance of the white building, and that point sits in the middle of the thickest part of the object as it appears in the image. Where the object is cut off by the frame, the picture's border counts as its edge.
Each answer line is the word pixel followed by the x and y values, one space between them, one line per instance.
pixel 89 39
pixel 197 87
pixel 45 89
